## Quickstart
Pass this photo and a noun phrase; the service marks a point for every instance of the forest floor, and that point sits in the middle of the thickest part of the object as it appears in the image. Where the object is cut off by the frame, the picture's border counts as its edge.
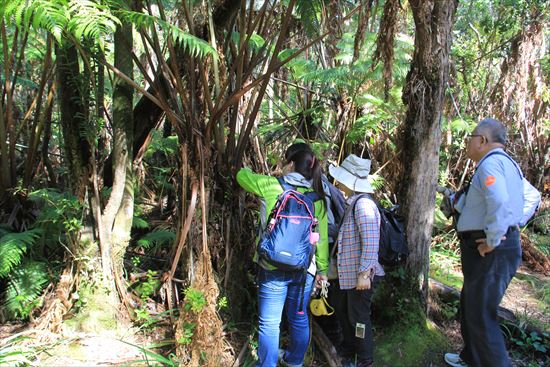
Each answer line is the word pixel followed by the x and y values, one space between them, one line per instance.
pixel 527 299
pixel 528 296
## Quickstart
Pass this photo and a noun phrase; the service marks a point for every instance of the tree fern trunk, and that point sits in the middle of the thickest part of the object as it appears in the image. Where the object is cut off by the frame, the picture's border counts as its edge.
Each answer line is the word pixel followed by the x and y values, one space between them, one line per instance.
pixel 124 127
pixel 77 147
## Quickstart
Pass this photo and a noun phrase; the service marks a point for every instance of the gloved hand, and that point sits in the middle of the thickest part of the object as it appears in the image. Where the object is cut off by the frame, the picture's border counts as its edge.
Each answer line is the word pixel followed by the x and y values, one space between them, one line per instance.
pixel 446 203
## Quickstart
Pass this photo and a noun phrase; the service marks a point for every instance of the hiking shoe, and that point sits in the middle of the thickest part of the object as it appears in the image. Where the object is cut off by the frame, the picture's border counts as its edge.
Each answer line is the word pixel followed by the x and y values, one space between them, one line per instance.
pixel 454 360
pixel 282 361
pixel 348 363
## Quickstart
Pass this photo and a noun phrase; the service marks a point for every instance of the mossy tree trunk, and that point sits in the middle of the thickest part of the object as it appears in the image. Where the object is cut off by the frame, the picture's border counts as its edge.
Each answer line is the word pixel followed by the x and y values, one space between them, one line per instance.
pixel 424 96
pixel 118 213
pixel 77 146
pixel 77 157
pixel 103 245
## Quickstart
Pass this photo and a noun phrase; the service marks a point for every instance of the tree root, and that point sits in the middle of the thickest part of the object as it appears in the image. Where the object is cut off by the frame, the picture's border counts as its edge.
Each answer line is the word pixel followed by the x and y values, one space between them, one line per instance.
pixel 56 304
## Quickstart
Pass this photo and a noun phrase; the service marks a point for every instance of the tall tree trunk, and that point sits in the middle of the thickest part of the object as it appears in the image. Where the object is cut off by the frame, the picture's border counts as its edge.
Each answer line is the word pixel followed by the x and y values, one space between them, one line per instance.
pixel 6 119
pixel 123 126
pixel 517 99
pixel 424 95
pixel 77 156
pixel 77 147
pixel 37 128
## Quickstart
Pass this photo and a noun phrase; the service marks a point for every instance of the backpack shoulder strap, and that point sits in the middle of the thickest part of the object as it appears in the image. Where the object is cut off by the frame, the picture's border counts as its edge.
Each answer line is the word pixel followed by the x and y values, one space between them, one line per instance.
pixel 347 212
pixel 498 152
pixel 351 206
pixel 311 195
pixel 285 185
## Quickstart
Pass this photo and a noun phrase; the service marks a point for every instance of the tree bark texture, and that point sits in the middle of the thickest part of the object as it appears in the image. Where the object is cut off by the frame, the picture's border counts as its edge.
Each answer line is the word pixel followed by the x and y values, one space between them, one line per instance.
pixel 77 147
pixel 518 100
pixel 424 95
pixel 120 208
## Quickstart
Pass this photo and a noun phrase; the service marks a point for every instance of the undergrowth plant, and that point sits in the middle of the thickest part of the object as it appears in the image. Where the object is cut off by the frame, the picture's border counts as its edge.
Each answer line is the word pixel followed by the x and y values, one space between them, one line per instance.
pixel 23 278
pixel 28 260
pixel 534 345
pixel 14 353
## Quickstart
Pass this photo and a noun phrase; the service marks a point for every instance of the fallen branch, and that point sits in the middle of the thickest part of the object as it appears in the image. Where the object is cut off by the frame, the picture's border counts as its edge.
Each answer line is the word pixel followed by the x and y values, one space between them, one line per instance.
pixel 325 345
pixel 449 294
pixel 240 357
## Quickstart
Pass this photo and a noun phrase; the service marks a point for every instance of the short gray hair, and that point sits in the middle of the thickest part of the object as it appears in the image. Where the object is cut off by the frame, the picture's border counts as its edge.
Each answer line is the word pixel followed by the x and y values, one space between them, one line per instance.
pixel 495 130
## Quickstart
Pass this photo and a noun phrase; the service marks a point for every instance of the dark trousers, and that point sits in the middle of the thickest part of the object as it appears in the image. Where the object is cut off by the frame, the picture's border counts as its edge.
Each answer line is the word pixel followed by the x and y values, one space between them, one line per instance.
pixel 485 281
pixel 353 307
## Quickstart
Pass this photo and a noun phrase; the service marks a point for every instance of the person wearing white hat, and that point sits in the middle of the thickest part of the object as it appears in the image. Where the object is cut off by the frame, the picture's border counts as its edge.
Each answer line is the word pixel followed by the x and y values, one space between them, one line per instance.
pixel 357 260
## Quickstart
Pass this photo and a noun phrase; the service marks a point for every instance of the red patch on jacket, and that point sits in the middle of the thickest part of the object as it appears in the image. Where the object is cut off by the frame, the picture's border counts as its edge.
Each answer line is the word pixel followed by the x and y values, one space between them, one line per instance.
pixel 490 180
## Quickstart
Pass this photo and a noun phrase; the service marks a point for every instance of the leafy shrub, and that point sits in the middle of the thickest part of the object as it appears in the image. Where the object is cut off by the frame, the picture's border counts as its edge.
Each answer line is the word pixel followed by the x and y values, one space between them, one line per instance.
pixel 24 278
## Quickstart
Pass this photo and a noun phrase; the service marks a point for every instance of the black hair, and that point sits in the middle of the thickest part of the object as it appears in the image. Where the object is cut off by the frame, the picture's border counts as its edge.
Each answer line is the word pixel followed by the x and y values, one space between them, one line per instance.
pixel 296 148
pixel 494 128
pixel 306 164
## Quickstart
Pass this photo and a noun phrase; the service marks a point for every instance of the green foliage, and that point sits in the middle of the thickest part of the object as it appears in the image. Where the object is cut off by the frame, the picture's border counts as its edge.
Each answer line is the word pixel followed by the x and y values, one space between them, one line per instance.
pixel 187 333
pixel 13 247
pixel 61 212
pixel 411 345
pixel 149 287
pixel 194 300
pixel 153 358
pixel 533 345
pixel 222 303
pixel 82 18
pixel 158 237
pixel 450 310
pixel 25 285
pixel 44 14
pixel 255 42
pixel 22 262
pixel 445 259
pixel 168 146
pixel 139 223
pixel 194 45
pixel 91 19
pixel 309 12
pixel 13 352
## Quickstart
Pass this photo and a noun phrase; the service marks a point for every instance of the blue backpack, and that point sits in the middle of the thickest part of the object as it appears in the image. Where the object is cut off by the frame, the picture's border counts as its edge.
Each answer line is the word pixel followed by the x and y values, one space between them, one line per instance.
pixel 288 240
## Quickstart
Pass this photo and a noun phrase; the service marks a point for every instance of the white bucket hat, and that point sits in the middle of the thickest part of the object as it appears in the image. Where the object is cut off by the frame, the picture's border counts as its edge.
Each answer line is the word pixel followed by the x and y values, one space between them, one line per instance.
pixel 354 173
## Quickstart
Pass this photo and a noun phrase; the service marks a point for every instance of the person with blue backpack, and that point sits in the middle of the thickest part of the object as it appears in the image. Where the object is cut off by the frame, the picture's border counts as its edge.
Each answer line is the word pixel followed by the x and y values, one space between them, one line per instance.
pixel 292 253
pixel 358 268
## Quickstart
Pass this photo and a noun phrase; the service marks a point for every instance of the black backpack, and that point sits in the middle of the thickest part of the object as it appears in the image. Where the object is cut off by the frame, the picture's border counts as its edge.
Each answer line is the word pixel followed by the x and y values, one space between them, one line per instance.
pixel 392 249
pixel 337 207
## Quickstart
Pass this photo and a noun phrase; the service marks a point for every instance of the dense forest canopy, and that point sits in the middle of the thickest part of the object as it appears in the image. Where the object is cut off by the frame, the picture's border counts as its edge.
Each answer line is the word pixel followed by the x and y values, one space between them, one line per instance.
pixel 123 123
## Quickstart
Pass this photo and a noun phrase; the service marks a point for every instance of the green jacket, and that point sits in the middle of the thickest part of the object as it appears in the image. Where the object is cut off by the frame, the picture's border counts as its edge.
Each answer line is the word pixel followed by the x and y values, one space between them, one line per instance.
pixel 268 189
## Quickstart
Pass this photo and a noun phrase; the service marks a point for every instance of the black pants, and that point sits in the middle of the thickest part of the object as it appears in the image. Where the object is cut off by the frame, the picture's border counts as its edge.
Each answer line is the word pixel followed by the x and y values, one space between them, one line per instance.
pixel 354 307
pixel 485 282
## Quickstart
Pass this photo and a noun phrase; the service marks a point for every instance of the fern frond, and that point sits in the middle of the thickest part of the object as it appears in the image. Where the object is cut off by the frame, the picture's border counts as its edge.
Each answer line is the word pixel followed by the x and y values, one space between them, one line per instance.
pixel 139 223
pixel 309 12
pixel 194 45
pixel 51 15
pixel 25 285
pixel 15 353
pixel 158 237
pixel 12 248
pixel 327 76
pixel 90 19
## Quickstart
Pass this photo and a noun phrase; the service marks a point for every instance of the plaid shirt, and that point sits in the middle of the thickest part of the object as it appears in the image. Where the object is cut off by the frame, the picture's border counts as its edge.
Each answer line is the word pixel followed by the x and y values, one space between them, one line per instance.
pixel 358 243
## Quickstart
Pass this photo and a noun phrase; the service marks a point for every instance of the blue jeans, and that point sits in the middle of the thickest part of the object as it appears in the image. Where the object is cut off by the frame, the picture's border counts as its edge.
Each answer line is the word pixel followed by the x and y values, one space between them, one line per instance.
pixel 485 281
pixel 281 289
